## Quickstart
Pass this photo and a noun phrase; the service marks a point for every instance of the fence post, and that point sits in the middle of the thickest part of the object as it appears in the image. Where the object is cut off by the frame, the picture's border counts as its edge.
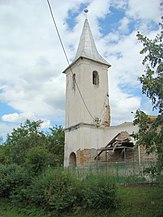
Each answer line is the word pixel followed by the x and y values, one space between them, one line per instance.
pixel 117 170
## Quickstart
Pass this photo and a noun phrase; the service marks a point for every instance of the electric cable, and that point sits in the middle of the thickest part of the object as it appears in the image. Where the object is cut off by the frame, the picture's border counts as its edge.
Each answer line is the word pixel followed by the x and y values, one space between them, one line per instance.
pixel 55 25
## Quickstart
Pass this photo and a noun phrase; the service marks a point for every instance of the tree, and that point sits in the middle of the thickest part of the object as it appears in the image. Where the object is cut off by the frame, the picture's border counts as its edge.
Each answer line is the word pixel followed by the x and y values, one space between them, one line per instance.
pixel 23 138
pixel 28 146
pixel 150 132
pixel 56 144
pixel 37 159
pixel 2 154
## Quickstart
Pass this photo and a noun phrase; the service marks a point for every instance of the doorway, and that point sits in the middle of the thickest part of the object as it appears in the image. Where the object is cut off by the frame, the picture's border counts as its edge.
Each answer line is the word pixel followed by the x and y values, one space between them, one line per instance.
pixel 72 160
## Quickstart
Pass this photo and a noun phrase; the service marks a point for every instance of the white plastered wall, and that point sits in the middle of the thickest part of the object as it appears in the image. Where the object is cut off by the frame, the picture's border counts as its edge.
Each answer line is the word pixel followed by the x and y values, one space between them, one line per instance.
pixel 94 96
pixel 91 137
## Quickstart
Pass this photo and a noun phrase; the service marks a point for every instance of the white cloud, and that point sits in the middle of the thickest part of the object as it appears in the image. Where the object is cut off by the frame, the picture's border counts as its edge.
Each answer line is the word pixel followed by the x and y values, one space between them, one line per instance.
pixel 123 54
pixel 32 60
pixel 15 117
pixel 146 9
pixel 124 25
pixel 122 104
pixel 22 117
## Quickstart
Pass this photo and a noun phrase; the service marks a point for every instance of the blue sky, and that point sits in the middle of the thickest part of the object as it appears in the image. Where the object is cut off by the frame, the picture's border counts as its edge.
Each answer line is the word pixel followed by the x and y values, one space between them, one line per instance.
pixel 31 81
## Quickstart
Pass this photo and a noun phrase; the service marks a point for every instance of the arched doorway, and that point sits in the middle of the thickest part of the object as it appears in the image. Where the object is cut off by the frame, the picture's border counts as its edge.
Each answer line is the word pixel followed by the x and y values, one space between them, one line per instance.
pixel 72 160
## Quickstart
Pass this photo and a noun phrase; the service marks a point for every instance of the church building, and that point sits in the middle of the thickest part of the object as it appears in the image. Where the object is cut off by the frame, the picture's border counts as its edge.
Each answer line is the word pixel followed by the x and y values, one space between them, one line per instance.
pixel 89 138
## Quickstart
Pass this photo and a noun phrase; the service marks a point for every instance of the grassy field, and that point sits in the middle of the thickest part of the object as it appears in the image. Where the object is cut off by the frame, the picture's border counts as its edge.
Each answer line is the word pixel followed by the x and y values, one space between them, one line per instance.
pixel 137 201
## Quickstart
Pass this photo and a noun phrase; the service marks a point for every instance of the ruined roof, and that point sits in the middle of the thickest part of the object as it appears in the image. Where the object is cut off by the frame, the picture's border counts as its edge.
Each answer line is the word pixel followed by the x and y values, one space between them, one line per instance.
pixel 121 140
pixel 87 47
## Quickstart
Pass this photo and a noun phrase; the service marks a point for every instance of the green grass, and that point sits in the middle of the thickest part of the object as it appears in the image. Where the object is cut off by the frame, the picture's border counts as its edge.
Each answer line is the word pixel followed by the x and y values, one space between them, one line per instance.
pixel 136 201
pixel 10 210
pixel 140 202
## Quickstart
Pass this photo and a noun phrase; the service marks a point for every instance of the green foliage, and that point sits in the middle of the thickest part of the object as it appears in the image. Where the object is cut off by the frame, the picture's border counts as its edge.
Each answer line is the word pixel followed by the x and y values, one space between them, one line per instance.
pixel 135 201
pixel 151 131
pixel 59 191
pixel 37 159
pixel 1 140
pixel 53 190
pixel 22 139
pixel 98 193
pixel 9 209
pixel 56 144
pixel 144 201
pixel 27 144
pixel 147 132
pixel 13 177
pixel 2 154
pixel 152 171
pixel 153 79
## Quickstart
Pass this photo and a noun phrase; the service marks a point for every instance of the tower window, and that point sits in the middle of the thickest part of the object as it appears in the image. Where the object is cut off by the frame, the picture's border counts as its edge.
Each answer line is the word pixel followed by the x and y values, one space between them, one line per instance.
pixel 95 78
pixel 73 81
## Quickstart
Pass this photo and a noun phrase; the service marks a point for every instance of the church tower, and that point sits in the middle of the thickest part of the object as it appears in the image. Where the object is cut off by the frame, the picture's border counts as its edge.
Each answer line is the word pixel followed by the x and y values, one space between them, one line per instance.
pixel 87 101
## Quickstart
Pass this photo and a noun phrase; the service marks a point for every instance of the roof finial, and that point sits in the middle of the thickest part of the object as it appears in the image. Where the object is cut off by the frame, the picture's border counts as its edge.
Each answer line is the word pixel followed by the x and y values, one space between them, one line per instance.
pixel 86 11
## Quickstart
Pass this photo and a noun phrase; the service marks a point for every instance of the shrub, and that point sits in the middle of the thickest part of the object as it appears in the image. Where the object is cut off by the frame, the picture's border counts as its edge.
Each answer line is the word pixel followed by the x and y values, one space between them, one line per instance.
pixel 53 190
pixel 13 177
pixel 37 159
pixel 98 193
pixel 59 191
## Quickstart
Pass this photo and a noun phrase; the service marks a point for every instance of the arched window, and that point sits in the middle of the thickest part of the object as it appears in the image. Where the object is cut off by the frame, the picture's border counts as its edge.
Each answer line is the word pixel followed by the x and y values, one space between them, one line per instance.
pixel 95 78
pixel 72 160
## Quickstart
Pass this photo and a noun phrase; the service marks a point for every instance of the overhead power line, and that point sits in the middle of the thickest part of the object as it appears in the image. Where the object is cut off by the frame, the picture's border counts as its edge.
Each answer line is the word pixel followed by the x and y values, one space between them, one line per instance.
pixel 55 25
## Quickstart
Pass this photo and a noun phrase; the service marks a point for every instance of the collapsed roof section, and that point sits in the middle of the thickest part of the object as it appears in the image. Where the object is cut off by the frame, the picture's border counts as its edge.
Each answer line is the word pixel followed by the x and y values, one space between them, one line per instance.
pixel 121 141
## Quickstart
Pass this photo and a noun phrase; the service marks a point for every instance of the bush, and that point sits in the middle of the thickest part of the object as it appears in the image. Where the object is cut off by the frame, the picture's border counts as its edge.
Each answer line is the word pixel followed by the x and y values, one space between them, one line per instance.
pixel 98 193
pixel 13 177
pixel 37 159
pixel 57 190
pixel 53 190
pixel 60 191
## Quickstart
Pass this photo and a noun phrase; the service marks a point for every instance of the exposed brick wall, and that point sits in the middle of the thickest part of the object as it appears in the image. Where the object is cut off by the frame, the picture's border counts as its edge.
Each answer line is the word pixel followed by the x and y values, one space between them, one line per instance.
pixel 86 157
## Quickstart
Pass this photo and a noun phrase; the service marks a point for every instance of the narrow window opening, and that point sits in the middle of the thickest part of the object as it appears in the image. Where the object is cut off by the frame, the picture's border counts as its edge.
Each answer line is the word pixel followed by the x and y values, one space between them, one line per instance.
pixel 95 78
pixel 73 81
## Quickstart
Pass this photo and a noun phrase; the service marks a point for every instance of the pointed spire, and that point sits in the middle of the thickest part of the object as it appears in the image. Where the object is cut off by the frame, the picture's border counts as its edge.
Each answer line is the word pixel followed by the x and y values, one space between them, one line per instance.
pixel 87 47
